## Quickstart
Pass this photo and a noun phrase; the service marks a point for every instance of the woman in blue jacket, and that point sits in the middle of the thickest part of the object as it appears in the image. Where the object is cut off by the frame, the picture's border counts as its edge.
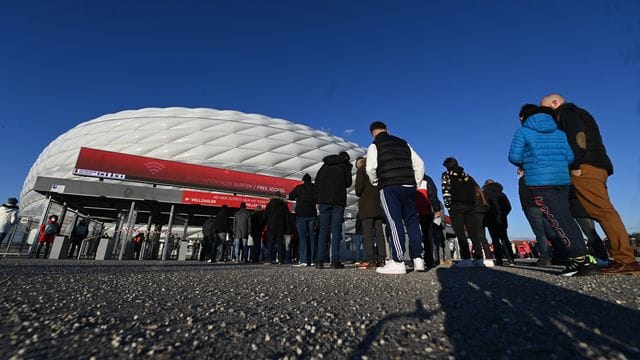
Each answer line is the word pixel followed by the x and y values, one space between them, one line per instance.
pixel 545 155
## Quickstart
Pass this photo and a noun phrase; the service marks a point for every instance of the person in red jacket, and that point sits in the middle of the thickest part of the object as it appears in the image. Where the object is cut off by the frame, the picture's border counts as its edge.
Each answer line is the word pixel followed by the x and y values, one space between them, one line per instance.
pixel 48 233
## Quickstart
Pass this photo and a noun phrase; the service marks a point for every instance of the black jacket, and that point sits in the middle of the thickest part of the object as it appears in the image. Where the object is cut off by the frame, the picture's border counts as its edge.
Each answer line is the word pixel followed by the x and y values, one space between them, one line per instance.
pixel 575 121
pixel 332 181
pixel 257 224
pixel 458 188
pixel 221 223
pixel 394 161
pixel 275 216
pixel 305 197
pixel 369 202
pixel 208 230
pixel 499 206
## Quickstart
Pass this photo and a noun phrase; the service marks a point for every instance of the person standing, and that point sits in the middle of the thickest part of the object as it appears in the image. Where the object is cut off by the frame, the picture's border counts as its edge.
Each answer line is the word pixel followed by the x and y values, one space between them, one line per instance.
pixel 221 226
pixel 241 228
pixel 545 155
pixel 257 227
pixel 331 184
pixel 428 207
pixel 209 243
pixel 547 245
pixel 589 173
pixel 372 218
pixel 8 217
pixel 459 191
pixel 275 219
pixel 137 244
pixel 397 169
pixel 48 233
pixel 79 233
pixel 305 197
pixel 496 220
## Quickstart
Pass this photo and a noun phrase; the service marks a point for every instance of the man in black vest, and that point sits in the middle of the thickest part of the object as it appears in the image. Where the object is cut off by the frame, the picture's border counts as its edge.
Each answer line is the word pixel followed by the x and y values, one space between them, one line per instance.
pixel 589 173
pixel 396 169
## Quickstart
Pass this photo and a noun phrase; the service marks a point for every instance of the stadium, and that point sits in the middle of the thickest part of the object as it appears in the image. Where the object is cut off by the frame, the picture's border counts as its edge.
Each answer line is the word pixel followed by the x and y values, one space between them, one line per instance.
pixel 163 138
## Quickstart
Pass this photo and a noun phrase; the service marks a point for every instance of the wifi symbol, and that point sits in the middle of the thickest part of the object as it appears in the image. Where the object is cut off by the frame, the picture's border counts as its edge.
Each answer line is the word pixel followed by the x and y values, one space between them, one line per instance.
pixel 154 167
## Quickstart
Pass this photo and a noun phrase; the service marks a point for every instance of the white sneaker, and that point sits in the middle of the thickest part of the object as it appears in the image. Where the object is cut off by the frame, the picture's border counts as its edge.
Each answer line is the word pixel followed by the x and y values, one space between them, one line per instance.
pixel 392 267
pixel 464 263
pixel 418 264
pixel 489 263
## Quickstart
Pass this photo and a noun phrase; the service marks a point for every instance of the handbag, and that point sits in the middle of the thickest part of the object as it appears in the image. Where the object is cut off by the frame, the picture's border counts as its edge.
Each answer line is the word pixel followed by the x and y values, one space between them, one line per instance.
pixel 250 241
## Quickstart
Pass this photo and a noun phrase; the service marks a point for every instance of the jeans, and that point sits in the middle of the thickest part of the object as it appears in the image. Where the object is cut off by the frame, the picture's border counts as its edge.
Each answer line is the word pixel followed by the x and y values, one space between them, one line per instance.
pixel 543 232
pixel 442 251
pixel 240 249
pixel 554 206
pixel 399 205
pixel 305 226
pixel 331 218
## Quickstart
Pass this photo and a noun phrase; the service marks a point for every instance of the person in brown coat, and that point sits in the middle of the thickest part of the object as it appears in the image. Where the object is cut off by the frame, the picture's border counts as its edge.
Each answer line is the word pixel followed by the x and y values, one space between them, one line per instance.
pixel 370 211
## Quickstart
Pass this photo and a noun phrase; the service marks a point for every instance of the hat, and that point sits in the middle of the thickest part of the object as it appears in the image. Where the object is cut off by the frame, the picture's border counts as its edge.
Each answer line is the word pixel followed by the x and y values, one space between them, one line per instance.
pixel 450 163
pixel 12 201
pixel 345 155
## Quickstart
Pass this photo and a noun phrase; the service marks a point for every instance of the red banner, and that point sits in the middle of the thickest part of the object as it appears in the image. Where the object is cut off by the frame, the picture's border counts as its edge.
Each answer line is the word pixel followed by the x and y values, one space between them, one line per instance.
pixel 119 166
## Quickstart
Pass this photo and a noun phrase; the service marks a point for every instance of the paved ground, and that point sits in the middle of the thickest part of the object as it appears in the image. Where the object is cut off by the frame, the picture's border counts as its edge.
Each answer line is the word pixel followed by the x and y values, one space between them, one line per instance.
pixel 71 309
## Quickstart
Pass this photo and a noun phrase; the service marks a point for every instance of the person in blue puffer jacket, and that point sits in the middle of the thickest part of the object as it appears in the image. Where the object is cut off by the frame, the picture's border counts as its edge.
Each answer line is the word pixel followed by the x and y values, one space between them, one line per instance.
pixel 544 153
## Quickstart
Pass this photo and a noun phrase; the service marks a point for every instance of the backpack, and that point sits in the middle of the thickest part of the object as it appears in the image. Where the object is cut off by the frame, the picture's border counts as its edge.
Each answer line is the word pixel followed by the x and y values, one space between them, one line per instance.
pixel 51 229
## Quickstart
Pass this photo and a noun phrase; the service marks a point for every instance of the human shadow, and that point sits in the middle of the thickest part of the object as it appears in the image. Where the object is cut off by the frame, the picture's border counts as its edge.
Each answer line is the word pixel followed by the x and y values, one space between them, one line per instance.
pixel 492 314
pixel 365 345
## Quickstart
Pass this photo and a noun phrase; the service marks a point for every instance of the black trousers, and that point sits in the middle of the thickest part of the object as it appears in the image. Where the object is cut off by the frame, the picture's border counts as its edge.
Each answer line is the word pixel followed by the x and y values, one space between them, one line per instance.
pixel 501 244
pixel 463 216
pixel 426 226
pixel 373 233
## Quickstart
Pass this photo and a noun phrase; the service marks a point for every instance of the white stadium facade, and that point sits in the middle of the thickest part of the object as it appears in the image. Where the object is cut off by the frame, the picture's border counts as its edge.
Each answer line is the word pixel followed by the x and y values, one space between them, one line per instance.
pixel 219 138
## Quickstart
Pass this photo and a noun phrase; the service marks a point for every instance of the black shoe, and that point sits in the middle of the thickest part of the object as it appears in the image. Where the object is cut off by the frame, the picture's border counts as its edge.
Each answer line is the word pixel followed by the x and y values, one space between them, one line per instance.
pixel 543 263
pixel 337 265
pixel 319 265
pixel 583 266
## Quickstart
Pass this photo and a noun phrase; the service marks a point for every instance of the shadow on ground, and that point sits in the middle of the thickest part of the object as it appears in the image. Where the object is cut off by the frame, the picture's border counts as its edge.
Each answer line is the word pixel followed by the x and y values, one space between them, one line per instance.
pixel 500 315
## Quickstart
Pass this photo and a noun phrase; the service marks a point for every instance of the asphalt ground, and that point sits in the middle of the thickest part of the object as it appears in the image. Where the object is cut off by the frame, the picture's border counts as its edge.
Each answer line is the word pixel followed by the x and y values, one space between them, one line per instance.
pixel 75 309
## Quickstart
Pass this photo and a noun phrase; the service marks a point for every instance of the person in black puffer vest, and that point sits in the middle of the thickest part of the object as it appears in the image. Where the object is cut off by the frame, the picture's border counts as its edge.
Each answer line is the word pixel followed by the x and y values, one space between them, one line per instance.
pixel 332 181
pixel 396 169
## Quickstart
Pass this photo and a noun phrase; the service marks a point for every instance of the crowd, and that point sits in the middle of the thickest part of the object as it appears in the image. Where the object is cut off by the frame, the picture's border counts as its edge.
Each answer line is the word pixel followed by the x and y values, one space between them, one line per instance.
pixel 562 166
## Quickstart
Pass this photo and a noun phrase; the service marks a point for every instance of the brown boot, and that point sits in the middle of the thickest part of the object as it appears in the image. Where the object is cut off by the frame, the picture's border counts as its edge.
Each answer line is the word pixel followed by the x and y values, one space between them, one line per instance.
pixel 619 268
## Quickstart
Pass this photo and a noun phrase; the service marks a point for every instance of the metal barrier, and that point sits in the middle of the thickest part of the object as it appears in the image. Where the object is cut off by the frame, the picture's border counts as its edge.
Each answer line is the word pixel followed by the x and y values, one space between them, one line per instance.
pixel 17 242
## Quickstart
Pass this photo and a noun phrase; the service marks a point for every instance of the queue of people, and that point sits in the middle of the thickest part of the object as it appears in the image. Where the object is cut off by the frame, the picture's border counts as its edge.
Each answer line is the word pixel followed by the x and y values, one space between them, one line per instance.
pixel 562 166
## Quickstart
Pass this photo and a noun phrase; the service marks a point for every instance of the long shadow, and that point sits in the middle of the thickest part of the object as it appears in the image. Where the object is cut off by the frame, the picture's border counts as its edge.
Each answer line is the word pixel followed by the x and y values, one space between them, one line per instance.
pixel 363 347
pixel 493 314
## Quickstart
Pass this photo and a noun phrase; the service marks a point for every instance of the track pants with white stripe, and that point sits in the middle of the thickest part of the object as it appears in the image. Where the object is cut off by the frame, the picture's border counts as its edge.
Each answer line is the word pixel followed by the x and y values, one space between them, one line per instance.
pixel 399 205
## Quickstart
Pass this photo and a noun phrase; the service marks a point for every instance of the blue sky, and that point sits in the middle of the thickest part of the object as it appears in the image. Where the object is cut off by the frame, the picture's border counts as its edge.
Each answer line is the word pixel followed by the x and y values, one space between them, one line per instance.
pixel 449 77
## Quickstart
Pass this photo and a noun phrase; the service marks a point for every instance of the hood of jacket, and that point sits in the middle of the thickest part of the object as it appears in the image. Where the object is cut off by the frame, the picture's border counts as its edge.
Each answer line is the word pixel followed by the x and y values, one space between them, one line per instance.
pixel 334 160
pixel 542 123
pixel 494 186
